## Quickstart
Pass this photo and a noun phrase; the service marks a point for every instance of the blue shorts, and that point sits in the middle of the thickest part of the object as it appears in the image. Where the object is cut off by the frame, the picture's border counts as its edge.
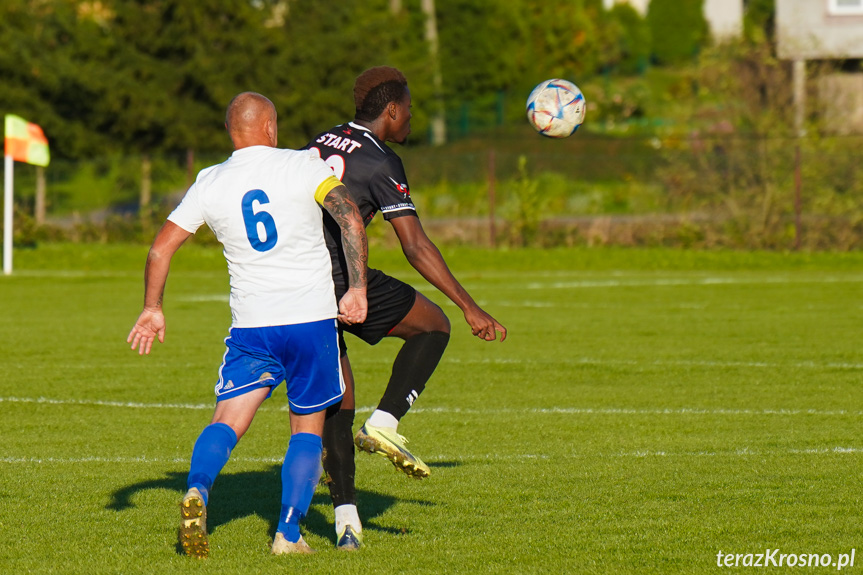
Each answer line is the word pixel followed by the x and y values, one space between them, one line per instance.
pixel 305 356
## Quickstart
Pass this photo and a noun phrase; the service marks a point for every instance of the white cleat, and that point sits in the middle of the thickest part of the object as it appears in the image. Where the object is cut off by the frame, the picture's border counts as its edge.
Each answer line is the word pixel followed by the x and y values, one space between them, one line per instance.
pixel 387 442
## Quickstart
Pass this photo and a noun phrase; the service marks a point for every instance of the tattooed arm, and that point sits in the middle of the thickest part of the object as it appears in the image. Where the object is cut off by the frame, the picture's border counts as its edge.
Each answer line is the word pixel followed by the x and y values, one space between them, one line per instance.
pixel 353 305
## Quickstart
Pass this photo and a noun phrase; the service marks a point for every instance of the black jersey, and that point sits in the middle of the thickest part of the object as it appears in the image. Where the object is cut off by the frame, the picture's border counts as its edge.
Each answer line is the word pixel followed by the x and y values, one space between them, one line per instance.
pixel 374 176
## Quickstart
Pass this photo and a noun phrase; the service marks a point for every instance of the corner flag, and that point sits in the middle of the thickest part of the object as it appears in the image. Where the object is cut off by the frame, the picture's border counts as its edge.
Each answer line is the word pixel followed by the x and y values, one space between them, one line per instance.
pixel 24 142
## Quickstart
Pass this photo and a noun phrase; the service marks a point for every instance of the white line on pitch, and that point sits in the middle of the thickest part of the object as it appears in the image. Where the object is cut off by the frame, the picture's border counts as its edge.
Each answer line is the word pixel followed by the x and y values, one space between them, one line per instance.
pixel 740 452
pixel 705 281
pixel 658 362
pixel 183 460
pixel 624 411
pixel 638 454
pixel 96 402
pixel 620 281
pixel 205 298
pixel 74 274
pixel 553 361
pixel 466 411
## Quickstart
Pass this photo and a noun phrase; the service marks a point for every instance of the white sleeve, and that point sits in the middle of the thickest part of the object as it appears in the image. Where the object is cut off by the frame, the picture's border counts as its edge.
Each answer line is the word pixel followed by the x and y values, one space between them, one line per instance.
pixel 188 215
pixel 316 170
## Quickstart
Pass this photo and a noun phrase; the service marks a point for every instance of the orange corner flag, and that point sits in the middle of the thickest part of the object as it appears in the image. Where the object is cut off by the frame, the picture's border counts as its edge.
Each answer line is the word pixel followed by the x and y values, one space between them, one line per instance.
pixel 25 142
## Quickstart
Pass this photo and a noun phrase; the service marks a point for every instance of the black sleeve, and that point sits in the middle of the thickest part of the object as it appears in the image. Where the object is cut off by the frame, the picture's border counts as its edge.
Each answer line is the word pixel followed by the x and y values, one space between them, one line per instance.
pixel 389 189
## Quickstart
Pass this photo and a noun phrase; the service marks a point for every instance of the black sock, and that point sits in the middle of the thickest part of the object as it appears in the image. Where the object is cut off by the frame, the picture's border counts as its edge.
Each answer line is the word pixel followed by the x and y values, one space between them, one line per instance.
pixel 338 439
pixel 412 368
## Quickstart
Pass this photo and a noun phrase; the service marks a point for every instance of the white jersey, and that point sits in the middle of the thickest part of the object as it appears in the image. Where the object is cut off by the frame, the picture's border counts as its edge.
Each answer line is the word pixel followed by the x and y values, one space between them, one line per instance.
pixel 262 204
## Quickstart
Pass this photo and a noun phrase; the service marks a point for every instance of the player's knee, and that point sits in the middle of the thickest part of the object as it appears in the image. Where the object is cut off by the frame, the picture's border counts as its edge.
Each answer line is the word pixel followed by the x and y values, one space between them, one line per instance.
pixel 438 321
pixel 445 325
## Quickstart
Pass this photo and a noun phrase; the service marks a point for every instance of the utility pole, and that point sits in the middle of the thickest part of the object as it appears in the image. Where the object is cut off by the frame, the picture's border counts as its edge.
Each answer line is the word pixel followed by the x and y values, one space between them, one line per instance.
pixel 146 184
pixel 798 80
pixel 799 87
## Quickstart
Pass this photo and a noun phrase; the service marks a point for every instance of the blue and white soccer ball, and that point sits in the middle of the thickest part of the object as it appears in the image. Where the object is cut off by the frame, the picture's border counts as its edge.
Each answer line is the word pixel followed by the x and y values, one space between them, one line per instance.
pixel 555 108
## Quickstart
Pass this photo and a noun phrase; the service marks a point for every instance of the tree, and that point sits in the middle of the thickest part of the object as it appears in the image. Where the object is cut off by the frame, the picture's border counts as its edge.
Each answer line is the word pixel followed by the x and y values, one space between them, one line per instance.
pixel 759 20
pixel 44 77
pixel 482 52
pixel 634 38
pixel 678 29
pixel 326 46
pixel 153 76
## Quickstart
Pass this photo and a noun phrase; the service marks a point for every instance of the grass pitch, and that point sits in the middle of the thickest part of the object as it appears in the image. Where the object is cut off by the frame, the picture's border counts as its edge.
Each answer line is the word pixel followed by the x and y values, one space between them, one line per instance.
pixel 648 410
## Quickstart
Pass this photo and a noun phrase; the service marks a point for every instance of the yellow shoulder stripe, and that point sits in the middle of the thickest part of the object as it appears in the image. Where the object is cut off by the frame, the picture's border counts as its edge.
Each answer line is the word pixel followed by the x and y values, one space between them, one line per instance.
pixel 325 188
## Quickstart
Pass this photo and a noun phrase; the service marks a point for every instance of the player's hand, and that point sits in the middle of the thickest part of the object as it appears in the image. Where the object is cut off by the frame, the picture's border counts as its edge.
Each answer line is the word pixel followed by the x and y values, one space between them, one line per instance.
pixel 353 307
pixel 483 325
pixel 150 325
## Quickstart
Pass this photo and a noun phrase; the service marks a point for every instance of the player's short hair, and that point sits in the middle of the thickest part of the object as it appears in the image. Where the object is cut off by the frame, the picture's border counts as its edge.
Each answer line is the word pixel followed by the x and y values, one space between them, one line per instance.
pixel 375 88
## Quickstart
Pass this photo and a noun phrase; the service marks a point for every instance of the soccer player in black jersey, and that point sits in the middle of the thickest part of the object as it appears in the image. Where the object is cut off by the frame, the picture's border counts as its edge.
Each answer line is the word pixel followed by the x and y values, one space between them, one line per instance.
pixel 358 154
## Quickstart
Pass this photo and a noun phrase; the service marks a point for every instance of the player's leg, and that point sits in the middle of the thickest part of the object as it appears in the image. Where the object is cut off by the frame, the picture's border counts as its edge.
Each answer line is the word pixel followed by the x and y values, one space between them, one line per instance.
pixel 210 454
pixel 312 359
pixel 340 466
pixel 213 447
pixel 425 330
pixel 301 471
pixel 243 387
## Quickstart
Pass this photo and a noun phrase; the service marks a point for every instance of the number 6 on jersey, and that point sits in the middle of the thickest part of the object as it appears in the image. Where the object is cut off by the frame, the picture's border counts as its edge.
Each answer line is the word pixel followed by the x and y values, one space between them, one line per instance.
pixel 257 222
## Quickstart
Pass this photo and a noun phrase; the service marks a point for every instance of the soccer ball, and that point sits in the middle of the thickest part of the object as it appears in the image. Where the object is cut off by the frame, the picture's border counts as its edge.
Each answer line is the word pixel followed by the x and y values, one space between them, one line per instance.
pixel 555 108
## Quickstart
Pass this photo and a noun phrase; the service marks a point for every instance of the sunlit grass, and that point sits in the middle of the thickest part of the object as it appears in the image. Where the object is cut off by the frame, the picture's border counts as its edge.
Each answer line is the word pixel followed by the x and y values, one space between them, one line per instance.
pixel 649 409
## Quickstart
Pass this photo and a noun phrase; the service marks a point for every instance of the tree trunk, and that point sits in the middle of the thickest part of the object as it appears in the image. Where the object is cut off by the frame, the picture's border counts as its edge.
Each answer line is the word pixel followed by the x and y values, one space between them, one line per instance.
pixel 146 182
pixel 438 119
pixel 190 167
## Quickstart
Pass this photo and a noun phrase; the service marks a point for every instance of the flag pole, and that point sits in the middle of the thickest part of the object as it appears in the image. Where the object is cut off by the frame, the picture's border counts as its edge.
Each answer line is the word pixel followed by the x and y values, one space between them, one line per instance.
pixel 7 214
pixel 25 142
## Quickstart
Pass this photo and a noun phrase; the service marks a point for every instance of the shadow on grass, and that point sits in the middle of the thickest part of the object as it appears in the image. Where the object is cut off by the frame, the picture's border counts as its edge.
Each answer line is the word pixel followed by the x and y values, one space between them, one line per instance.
pixel 236 495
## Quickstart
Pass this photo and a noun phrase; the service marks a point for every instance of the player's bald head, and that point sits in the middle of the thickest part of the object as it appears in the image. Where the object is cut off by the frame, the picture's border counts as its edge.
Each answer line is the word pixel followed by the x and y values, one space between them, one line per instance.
pixel 247 118
pixel 247 110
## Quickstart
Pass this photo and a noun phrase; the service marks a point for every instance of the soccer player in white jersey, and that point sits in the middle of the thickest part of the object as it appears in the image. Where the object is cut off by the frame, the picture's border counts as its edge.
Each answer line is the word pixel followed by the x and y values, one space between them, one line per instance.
pixel 263 206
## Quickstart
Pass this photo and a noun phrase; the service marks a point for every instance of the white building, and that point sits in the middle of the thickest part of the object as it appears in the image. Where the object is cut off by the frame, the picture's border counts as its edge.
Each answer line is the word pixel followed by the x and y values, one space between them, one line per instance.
pixel 640 5
pixel 725 18
pixel 823 30
pixel 819 29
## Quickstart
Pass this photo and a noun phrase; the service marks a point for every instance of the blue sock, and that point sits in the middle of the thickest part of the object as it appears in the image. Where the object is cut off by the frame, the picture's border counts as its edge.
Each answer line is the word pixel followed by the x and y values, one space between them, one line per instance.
pixel 300 474
pixel 209 456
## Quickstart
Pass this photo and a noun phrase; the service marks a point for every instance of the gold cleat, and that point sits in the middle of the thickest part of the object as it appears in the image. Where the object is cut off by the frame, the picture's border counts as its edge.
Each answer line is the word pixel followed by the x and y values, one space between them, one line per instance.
pixel 193 525
pixel 282 546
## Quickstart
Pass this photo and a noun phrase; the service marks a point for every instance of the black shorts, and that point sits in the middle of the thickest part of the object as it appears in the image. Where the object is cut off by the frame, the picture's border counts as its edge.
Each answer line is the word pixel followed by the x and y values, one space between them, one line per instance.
pixel 389 299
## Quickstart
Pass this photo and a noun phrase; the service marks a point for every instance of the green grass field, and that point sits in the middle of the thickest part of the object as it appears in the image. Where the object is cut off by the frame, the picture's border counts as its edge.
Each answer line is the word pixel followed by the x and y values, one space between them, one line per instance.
pixel 648 410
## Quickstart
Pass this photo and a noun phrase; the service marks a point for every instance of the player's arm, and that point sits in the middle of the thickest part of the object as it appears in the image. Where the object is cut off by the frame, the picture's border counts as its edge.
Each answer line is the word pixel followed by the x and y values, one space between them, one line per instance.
pixel 353 306
pixel 151 322
pixel 424 256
